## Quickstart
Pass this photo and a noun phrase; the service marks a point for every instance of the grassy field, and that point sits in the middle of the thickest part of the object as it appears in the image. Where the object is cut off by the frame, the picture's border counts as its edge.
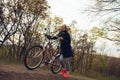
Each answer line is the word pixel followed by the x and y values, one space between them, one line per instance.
pixel 6 60
pixel 98 77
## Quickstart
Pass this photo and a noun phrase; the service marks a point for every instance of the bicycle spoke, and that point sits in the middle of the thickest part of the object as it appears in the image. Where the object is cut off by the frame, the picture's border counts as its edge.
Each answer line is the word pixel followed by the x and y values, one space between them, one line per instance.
pixel 34 57
pixel 56 66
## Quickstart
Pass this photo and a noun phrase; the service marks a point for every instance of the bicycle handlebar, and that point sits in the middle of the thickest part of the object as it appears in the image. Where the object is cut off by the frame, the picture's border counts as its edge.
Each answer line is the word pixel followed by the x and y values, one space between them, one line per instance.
pixel 47 36
pixel 50 38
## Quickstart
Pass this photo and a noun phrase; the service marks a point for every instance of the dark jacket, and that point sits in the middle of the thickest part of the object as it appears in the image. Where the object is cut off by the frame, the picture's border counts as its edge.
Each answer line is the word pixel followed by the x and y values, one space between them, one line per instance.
pixel 65 44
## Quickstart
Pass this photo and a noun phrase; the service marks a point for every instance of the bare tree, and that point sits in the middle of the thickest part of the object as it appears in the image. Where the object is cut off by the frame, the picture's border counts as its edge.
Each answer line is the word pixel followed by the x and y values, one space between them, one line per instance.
pixel 18 19
pixel 110 8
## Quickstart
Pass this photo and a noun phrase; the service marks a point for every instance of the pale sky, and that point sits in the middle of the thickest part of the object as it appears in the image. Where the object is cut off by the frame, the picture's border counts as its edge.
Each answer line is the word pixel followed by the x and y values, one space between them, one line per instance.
pixel 72 10
pixel 105 46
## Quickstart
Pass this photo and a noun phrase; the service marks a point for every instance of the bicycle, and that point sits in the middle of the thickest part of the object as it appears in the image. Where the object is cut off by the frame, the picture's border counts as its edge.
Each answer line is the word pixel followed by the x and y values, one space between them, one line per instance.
pixel 37 55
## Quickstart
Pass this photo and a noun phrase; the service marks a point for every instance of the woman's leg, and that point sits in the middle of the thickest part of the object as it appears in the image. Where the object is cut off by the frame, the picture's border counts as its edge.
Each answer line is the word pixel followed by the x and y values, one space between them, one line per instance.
pixel 67 63
pixel 62 61
pixel 67 66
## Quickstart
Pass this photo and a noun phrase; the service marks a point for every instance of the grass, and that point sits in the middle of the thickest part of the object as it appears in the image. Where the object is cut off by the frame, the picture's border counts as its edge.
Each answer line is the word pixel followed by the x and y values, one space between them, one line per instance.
pixel 96 76
pixel 109 78
pixel 6 60
pixel 100 77
pixel 76 73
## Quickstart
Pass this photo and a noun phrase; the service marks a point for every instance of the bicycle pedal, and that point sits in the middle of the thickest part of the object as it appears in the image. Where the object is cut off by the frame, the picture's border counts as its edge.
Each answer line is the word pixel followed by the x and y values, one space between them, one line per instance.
pixel 50 61
pixel 46 63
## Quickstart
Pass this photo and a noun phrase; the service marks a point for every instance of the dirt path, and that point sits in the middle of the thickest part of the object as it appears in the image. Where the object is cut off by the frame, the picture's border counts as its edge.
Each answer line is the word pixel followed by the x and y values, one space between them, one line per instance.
pixel 19 72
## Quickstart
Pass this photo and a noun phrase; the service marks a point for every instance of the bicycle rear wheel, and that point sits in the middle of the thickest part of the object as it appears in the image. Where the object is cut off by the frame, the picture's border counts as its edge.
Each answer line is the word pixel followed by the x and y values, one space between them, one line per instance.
pixel 56 66
pixel 34 57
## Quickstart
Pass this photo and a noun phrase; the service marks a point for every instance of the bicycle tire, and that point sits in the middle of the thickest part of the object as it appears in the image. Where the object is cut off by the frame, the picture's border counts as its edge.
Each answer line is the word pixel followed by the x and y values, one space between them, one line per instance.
pixel 56 64
pixel 32 59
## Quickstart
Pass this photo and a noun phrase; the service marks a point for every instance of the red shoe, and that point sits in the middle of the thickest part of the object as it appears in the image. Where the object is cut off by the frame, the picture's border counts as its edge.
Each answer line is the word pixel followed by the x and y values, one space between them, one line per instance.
pixel 66 74
pixel 63 71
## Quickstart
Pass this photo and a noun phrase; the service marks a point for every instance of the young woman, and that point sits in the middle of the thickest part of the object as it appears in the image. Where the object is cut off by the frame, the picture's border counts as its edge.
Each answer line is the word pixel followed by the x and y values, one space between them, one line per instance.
pixel 66 51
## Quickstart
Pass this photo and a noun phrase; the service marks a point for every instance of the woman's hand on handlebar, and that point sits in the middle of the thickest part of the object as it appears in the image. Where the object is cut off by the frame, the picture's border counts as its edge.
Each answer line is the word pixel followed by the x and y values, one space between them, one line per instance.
pixel 60 38
pixel 48 36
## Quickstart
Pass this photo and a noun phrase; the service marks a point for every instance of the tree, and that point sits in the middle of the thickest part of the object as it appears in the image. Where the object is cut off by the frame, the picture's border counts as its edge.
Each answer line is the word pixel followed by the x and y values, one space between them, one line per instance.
pixel 96 33
pixel 21 18
pixel 109 8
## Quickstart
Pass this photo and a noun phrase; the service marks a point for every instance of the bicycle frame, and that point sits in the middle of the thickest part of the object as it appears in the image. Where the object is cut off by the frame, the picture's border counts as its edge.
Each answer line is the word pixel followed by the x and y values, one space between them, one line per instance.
pixel 53 55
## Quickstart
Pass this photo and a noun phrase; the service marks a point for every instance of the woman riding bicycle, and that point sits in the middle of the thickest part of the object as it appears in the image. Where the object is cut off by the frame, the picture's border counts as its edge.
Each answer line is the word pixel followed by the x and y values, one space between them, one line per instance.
pixel 66 51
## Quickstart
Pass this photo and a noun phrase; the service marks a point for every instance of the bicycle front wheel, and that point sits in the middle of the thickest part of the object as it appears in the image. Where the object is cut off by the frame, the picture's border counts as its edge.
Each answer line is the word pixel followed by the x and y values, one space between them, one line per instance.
pixel 56 66
pixel 34 57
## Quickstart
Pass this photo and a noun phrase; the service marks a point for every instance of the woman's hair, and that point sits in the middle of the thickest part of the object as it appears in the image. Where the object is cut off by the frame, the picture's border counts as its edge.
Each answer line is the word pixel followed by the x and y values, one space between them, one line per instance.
pixel 65 27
